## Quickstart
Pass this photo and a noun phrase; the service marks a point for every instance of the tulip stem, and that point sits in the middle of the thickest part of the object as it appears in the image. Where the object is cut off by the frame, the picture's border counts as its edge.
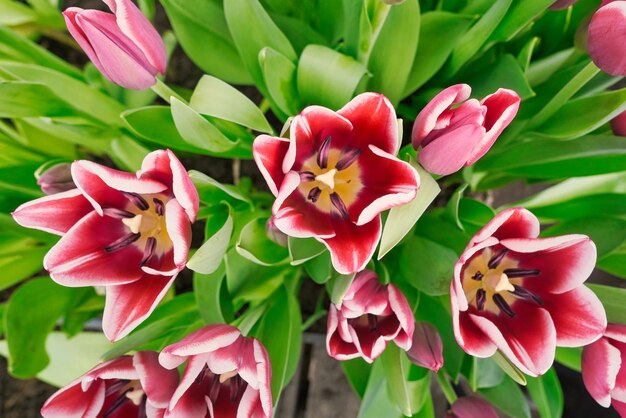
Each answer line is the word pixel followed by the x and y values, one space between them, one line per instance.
pixel 446 387
pixel 165 92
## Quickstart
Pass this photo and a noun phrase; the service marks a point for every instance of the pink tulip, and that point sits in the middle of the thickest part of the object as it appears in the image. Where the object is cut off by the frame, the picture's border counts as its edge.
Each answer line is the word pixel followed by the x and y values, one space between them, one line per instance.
pixel 618 124
pixel 452 137
pixel 227 375
pixel 562 4
pixel 427 348
pixel 369 316
pixel 607 31
pixel 128 386
pixel 604 368
pixel 524 295
pixel 336 174
pixel 56 179
pixel 130 233
pixel 123 45
pixel 471 407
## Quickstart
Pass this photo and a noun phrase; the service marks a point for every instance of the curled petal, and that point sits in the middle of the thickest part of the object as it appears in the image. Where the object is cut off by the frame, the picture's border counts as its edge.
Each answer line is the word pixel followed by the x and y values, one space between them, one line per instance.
pixel 352 246
pixel 269 153
pixel 446 155
pixel 179 231
pixel 337 347
pixel 158 383
pixel 510 223
pixel 204 340
pixel 72 402
pixel 600 364
pixel 471 338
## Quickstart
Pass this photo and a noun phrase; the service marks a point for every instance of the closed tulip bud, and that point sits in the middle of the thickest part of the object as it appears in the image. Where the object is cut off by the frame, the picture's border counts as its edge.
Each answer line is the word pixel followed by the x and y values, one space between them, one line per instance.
pixel 607 30
pixel 471 407
pixel 56 179
pixel 123 45
pixel 427 348
pixel 618 124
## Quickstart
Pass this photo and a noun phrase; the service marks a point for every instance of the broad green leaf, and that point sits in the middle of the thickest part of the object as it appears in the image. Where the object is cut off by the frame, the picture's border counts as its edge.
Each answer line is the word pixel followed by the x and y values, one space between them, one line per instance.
pixel 357 372
pixel 447 28
pixel 201 29
pixel 28 328
pixel 584 206
pixel 376 402
pixel 485 374
pixel 606 232
pixel 339 286
pixel 208 291
pixel 279 74
pixel 509 398
pixel 320 268
pixel 453 204
pixel 24 99
pixel 427 265
pixel 543 69
pixel 299 33
pixel 214 97
pixel 327 77
pixel 525 55
pixel 394 51
pixel 254 244
pixel 198 131
pixel 402 218
pixel 19 266
pixel 407 395
pixel 509 368
pixel 614 301
pixel 304 249
pixel 248 281
pixel 14 13
pixel 363 21
pixel 517 18
pixel 128 153
pixel 569 357
pixel 505 73
pixel 209 256
pixel 615 261
pixel 213 192
pixel 547 394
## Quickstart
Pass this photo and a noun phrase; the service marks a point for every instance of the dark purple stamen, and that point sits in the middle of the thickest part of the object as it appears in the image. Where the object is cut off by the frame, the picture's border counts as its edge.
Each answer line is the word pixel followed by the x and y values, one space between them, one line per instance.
pixel 481 298
pixel 339 205
pixel 314 194
pixel 214 387
pixel 159 207
pixel 372 320
pixel 322 155
pixel 137 200
pixel 478 276
pixel 501 303
pixel 121 243
pixel 497 259
pixel 114 387
pixel 148 251
pixel 307 176
pixel 237 388
pixel 118 402
pixel 117 213
pixel 202 374
pixel 348 158
pixel 513 273
pixel 525 294
pixel 141 413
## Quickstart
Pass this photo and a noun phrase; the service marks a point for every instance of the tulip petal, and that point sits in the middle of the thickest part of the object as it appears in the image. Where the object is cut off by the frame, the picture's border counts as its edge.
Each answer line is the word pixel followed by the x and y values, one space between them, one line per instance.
pixel 190 404
pixel 353 245
pixel 502 106
pixel 427 347
pixel 616 332
pixel 158 383
pixel 250 405
pixel 72 402
pixel 56 213
pixel 510 223
pixel 130 304
pixel 447 154
pixel 80 258
pixel 600 364
pixel 119 368
pixel 564 262
pixel 607 30
pixel 618 124
pixel 402 310
pixel 467 334
pixel 164 167
pixel 336 346
pixel 473 407
pixel 204 340
pixel 269 153
pixel 620 407
pixel 398 186
pixel 577 303
pixel 179 231
pixel 264 375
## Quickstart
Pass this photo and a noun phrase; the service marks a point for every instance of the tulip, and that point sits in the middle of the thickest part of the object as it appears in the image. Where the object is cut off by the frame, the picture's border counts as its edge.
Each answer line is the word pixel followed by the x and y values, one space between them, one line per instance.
pixel 607 30
pixel 618 124
pixel 56 179
pixel 327 178
pixel 562 4
pixel 227 375
pixel 471 407
pixel 604 368
pixel 130 233
pixel 367 318
pixel 129 386
pixel 427 348
pixel 451 138
pixel 524 295
pixel 123 45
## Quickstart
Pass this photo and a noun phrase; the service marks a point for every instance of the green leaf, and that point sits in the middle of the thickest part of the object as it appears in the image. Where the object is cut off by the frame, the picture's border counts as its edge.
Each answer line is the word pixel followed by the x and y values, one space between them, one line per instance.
pixel 508 397
pixel 453 204
pixel 585 206
pixel 525 55
pixel 214 97
pixel 486 373
pixel 394 51
pixel 19 266
pixel 569 357
pixel 28 328
pixel 427 265
pixel 547 394
pixel 357 372
pixel 607 233
pixel 304 249
pixel 213 192
pixel 447 28
pixel 128 153
pixel 14 13
pixel 505 73
pixel 339 286
pixel 614 301
pixel 376 402
pixel 402 218
pixel 198 131
pixel 279 74
pixel 254 244
pixel 517 18
pixel 208 291
pixel 201 29
pixel 248 281
pixel 407 395
pixel 320 268
pixel 326 77
pixel 209 256
pixel 24 99
pixel 509 368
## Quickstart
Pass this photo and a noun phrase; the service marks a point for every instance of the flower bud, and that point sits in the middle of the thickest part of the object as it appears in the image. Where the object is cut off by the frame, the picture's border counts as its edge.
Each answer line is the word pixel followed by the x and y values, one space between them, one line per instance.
pixel 56 179
pixel 275 234
pixel 618 124
pixel 471 407
pixel 606 38
pixel 427 348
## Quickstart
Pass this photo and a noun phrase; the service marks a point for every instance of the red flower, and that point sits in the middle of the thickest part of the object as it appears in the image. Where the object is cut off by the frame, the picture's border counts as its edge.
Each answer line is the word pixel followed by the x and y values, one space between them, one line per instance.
pixel 335 176
pixel 130 233
pixel 370 315
pixel 427 348
pixel 471 407
pixel 607 31
pixel 524 295
pixel 134 386
pixel 227 375
pixel 604 368
pixel 451 138
pixel 618 124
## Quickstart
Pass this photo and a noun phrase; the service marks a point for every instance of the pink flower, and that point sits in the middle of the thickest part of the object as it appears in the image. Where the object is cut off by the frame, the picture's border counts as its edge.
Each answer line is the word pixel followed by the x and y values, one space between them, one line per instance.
pixel 607 31
pixel 562 4
pixel 130 233
pixel 370 315
pixel 524 295
pixel 618 124
pixel 427 348
pixel 471 407
pixel 123 44
pixel 128 386
pixel 604 368
pixel 451 138
pixel 227 375
pixel 335 176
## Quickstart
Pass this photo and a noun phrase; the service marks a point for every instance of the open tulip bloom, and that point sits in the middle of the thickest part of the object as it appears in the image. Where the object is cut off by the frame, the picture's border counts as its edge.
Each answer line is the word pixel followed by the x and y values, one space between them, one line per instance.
pixel 335 174
pixel 129 386
pixel 128 232
pixel 524 295
pixel 227 375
